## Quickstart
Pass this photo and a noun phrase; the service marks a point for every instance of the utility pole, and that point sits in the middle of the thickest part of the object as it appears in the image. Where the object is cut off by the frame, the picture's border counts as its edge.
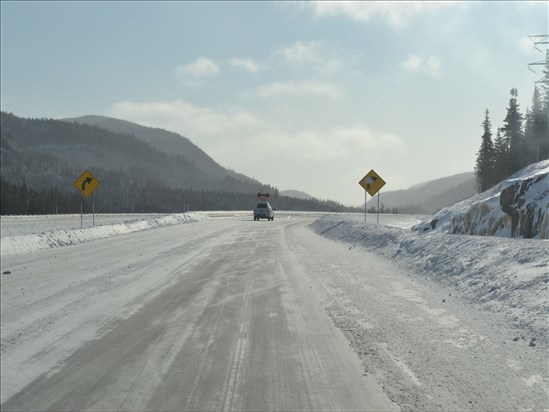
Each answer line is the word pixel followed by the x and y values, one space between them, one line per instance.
pixel 538 40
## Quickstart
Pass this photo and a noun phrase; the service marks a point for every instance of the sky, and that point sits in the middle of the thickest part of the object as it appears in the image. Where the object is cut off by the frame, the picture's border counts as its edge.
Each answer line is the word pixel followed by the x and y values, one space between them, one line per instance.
pixel 303 96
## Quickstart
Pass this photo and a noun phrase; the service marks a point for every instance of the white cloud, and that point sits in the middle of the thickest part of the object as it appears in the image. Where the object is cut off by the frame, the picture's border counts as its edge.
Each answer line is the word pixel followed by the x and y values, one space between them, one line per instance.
pixel 317 160
pixel 200 68
pixel 365 139
pixel 395 13
pixel 192 121
pixel 302 88
pixel 339 145
pixel 236 126
pixel 417 64
pixel 433 65
pixel 246 64
pixel 412 63
pixel 315 55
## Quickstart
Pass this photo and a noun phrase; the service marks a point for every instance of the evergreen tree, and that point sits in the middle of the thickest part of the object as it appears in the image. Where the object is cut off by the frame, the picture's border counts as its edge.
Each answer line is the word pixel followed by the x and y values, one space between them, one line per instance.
pixel 484 169
pixel 544 82
pixel 544 111
pixel 501 153
pixel 535 130
pixel 512 134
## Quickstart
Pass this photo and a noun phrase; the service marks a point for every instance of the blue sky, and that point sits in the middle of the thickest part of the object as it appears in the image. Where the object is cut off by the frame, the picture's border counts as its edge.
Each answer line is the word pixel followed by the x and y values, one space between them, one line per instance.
pixel 301 95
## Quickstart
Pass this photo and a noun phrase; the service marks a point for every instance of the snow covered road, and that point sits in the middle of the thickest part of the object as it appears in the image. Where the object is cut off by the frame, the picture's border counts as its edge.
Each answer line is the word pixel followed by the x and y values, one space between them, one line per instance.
pixel 206 316
pixel 239 315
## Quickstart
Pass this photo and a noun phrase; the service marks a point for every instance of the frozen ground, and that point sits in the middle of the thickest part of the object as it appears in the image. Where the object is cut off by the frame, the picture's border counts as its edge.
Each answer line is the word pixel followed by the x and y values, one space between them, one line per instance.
pixel 501 275
pixel 23 234
pixel 440 322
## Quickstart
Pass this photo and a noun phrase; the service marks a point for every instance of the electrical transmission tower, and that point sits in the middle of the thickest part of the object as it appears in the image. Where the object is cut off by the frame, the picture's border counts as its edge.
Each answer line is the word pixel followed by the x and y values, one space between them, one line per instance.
pixel 538 40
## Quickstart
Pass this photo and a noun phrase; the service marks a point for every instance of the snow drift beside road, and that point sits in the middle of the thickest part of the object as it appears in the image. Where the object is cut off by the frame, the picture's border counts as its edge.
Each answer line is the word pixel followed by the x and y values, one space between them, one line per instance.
pixel 510 276
pixel 14 245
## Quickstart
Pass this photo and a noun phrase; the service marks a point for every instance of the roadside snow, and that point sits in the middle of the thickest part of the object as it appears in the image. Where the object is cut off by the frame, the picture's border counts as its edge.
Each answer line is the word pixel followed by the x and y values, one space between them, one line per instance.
pixel 499 274
pixel 17 225
pixel 24 234
pixel 18 244
pixel 443 322
pixel 510 276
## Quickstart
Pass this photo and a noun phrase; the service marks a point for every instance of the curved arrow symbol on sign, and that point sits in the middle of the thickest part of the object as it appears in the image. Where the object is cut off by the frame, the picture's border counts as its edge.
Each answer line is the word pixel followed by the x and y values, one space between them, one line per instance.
pixel 88 180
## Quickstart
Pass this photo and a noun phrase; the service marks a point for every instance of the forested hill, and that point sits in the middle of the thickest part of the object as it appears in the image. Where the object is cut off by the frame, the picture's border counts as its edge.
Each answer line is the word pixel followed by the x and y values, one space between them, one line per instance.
pixel 41 158
pixel 429 197
pixel 165 141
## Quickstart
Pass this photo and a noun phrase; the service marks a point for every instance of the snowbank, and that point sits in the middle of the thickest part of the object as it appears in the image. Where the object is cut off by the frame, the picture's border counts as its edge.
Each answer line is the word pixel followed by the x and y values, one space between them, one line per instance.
pixel 517 207
pixel 501 275
pixel 13 245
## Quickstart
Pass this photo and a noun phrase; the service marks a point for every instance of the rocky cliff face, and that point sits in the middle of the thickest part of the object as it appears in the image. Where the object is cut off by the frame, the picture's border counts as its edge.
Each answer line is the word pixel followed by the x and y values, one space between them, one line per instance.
pixel 524 203
pixel 517 207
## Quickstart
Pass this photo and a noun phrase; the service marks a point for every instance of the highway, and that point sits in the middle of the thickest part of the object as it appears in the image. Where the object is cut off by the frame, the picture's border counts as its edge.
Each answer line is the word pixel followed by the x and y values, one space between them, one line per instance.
pixel 231 314
pixel 217 315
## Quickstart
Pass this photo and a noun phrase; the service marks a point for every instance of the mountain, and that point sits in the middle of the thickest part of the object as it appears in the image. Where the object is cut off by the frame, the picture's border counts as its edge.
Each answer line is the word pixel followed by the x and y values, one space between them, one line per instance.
pixel 160 172
pixel 429 197
pixel 517 207
pixel 164 141
pixel 38 150
pixel 295 193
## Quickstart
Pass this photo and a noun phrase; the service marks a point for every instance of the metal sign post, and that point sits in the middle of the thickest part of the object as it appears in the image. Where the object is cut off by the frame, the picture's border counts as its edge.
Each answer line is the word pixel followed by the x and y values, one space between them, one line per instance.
pixel 371 183
pixel 365 207
pixel 81 203
pixel 93 209
pixel 378 194
pixel 86 185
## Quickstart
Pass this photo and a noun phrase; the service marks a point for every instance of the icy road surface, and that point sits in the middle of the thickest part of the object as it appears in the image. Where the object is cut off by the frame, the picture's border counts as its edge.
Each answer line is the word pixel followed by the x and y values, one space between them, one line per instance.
pixel 204 316
pixel 234 314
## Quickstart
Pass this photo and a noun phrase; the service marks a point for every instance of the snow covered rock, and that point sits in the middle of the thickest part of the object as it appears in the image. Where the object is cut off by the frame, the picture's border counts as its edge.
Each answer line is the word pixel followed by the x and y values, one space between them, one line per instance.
pixel 517 207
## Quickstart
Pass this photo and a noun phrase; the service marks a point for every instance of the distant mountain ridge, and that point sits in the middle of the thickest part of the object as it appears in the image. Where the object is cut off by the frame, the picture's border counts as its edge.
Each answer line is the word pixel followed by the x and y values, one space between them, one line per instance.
pixel 42 158
pixel 295 193
pixel 165 141
pixel 429 197
pixel 63 148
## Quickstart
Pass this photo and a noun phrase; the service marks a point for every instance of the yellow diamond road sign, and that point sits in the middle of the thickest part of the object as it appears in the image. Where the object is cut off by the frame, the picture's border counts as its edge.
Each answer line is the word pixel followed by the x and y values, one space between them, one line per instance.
pixel 372 182
pixel 86 183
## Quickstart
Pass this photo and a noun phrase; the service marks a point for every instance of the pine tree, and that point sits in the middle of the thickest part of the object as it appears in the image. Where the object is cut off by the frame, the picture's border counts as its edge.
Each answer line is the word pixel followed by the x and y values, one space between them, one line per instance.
pixel 544 112
pixel 535 130
pixel 501 153
pixel 484 169
pixel 544 82
pixel 512 134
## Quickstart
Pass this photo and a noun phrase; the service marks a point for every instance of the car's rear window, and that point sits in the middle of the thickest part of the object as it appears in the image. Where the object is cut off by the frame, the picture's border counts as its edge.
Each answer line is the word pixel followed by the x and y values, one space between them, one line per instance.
pixel 261 205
